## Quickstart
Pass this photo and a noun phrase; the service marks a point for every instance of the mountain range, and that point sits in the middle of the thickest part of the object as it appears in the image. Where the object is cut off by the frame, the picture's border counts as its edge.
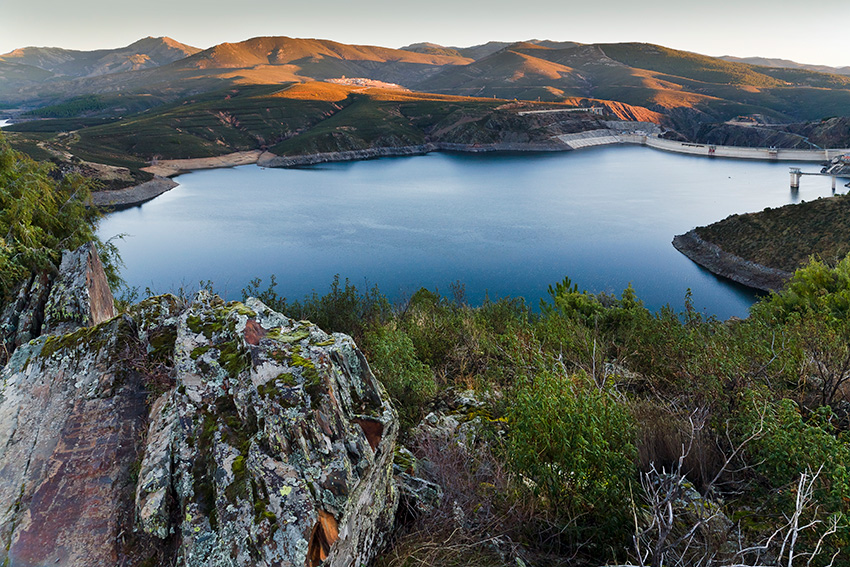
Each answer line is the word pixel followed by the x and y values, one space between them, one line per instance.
pixel 787 64
pixel 676 83
pixel 236 96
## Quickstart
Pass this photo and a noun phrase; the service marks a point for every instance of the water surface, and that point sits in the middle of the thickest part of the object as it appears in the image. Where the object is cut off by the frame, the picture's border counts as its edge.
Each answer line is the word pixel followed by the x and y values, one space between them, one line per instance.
pixel 503 224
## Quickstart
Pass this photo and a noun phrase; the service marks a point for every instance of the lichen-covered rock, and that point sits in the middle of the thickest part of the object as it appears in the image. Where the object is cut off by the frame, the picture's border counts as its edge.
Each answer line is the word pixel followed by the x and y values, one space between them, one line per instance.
pixel 57 302
pixel 80 296
pixel 213 434
pixel 281 444
pixel 70 417
pixel 154 483
pixel 23 317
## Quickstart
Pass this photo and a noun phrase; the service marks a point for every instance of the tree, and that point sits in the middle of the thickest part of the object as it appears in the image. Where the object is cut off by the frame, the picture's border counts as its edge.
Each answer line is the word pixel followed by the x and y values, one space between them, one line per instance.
pixel 40 215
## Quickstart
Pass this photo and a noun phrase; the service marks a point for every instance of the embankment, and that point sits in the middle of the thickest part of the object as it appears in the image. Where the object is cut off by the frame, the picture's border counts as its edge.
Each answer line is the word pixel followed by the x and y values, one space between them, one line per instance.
pixel 709 150
pixel 717 261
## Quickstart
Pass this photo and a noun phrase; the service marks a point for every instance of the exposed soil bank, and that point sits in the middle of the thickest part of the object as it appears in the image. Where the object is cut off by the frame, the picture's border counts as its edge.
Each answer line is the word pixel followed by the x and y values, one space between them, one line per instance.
pixel 132 196
pixel 715 260
pixel 172 167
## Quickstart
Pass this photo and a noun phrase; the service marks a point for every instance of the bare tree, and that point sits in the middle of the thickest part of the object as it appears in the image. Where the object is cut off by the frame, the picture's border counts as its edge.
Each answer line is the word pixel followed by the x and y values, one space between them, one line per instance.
pixel 786 537
pixel 678 528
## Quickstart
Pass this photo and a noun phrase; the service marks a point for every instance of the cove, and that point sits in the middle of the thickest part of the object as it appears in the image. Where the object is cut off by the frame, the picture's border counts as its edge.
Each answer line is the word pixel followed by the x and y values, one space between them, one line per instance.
pixel 501 224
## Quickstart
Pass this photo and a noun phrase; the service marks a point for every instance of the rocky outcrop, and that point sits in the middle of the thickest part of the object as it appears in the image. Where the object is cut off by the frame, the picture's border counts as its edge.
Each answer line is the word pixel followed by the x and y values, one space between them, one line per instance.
pixel 277 442
pixel 210 434
pixel 71 415
pixel 79 296
pixel 717 261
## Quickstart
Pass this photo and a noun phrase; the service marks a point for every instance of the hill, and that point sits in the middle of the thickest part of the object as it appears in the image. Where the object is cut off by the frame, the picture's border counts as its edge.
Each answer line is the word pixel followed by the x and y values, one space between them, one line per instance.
pixel 432 49
pixel 690 88
pixel 305 118
pixel 785 238
pixel 143 54
pixel 157 81
pixel 321 59
pixel 787 64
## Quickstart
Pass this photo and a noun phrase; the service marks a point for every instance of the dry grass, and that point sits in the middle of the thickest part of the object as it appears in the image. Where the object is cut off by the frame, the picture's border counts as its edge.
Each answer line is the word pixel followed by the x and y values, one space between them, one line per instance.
pixel 474 523
pixel 665 433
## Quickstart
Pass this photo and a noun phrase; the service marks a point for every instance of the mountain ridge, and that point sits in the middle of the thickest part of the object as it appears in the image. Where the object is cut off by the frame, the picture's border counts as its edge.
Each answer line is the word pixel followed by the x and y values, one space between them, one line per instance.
pixel 144 53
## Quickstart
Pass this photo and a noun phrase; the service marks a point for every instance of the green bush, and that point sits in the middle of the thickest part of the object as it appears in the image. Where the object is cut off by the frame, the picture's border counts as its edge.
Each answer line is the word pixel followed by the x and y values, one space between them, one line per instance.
pixel 814 288
pixel 408 381
pixel 39 217
pixel 574 444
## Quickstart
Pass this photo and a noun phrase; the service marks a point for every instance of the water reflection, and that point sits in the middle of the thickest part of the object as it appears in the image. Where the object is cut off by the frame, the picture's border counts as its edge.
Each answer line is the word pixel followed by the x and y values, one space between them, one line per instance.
pixel 502 224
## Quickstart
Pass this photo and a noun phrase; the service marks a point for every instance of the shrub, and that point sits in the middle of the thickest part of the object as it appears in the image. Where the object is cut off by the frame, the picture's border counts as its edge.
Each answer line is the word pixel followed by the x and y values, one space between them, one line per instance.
pixel 574 444
pixel 39 217
pixel 407 380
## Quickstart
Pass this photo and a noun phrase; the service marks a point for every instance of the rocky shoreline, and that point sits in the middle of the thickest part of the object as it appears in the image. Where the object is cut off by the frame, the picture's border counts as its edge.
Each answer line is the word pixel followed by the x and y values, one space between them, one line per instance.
pixel 132 196
pixel 722 263
pixel 271 160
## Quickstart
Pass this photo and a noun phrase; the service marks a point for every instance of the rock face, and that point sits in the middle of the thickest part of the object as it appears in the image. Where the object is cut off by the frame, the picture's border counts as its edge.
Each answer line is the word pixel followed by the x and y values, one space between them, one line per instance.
pixel 70 419
pixel 208 434
pixel 78 296
pixel 277 443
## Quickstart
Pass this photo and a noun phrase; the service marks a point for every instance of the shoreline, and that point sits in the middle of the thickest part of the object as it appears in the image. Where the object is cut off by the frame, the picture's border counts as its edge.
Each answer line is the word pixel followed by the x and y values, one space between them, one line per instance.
pixel 721 263
pixel 166 169
pixel 174 167
pixel 131 196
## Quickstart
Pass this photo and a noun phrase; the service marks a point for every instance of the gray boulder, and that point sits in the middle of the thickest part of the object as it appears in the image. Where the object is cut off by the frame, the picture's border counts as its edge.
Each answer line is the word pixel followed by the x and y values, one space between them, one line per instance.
pixel 78 295
pixel 213 434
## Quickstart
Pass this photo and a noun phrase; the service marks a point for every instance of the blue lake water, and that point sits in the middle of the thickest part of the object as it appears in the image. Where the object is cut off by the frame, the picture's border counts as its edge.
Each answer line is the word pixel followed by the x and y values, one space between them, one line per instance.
pixel 502 224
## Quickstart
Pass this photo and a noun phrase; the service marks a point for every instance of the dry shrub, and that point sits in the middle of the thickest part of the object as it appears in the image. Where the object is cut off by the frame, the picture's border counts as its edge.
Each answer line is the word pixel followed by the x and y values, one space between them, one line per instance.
pixel 665 433
pixel 473 524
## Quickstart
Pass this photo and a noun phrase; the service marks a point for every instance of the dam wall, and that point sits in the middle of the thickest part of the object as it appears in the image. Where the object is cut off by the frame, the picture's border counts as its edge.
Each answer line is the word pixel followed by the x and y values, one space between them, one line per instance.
pixel 711 150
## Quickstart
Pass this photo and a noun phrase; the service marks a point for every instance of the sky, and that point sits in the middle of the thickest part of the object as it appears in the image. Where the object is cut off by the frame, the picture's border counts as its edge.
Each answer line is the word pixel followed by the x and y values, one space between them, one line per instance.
pixel 803 32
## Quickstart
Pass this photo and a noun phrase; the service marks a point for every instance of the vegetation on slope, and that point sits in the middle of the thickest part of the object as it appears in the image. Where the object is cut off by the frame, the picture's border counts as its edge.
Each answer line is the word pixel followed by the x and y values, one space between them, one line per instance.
pixel 684 64
pixel 785 238
pixel 610 433
pixel 299 119
pixel 39 217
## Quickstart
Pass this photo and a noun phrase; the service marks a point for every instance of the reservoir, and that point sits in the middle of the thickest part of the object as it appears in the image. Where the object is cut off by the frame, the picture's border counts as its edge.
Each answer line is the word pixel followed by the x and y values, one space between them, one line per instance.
pixel 501 224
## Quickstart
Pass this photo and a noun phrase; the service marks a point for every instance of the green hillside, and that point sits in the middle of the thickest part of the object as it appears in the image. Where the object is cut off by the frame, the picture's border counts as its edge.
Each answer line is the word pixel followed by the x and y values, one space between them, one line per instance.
pixel 785 238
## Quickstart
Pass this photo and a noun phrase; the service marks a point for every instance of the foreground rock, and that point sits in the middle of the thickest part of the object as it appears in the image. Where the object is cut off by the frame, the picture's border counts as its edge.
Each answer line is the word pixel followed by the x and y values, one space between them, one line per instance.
pixel 208 434
pixel 277 443
pixel 78 296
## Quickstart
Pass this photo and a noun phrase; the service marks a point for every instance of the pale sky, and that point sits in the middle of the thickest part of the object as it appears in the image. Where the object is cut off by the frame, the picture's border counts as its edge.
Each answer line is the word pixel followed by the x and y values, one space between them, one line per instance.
pixel 802 31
